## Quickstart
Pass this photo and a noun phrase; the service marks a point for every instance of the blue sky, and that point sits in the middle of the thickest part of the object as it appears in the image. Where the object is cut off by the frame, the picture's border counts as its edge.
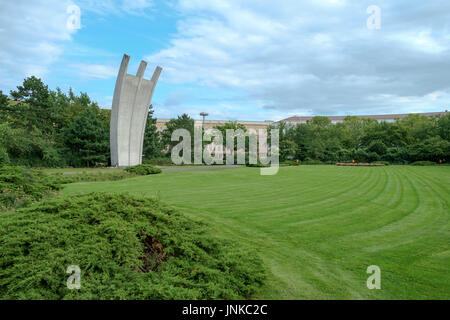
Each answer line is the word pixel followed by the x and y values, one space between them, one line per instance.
pixel 241 59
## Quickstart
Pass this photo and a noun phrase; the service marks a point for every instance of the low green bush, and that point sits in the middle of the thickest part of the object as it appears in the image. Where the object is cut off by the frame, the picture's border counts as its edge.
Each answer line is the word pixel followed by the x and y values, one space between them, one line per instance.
pixel 312 162
pixel 4 157
pixel 381 162
pixel 257 165
pixel 161 161
pixel 423 163
pixel 88 177
pixel 143 169
pixel 21 187
pixel 290 163
pixel 127 247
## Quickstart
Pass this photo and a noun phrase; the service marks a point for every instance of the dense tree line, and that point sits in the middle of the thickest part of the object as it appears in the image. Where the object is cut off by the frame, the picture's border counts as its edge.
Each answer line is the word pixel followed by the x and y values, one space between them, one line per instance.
pixel 42 127
pixel 414 138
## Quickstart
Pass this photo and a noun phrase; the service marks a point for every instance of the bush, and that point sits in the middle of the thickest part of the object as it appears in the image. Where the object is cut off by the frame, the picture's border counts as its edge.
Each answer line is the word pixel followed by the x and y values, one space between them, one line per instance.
pixel 381 162
pixel 126 247
pixel 143 169
pixel 4 157
pixel 312 162
pixel 257 165
pixel 20 187
pixel 161 161
pixel 290 163
pixel 87 177
pixel 423 163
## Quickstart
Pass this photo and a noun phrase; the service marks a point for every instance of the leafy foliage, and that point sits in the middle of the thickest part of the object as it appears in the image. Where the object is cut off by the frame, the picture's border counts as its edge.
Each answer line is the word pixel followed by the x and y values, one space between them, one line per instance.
pixel 423 163
pixel 152 147
pixel 126 247
pixel 37 127
pixel 414 138
pixel 20 187
pixel 160 161
pixel 89 177
pixel 143 169
pixel 182 122
pixel 87 139
pixel 42 127
pixel 290 163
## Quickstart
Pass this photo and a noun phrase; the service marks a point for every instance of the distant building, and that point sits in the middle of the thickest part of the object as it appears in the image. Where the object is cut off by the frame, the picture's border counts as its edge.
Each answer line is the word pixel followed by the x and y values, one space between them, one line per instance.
pixel 161 123
pixel 379 117
pixel 208 124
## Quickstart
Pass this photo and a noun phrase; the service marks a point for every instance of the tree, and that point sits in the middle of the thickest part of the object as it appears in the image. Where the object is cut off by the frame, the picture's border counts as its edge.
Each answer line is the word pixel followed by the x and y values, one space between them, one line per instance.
pixel 33 108
pixel 152 147
pixel 432 149
pixel 288 149
pixel 444 126
pixel 377 146
pixel 182 122
pixel 87 139
pixel 3 100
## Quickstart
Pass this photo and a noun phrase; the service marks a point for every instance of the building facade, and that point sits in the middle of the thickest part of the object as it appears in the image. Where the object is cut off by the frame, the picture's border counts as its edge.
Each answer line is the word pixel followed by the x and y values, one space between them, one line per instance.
pixel 209 124
pixel 381 117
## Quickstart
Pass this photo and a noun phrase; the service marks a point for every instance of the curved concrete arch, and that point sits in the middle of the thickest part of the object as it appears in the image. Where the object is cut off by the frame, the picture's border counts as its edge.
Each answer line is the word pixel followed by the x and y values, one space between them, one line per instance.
pixel 132 97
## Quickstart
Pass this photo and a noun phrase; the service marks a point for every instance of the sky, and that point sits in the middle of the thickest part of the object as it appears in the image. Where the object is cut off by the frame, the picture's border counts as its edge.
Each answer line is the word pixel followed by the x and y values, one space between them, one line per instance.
pixel 238 59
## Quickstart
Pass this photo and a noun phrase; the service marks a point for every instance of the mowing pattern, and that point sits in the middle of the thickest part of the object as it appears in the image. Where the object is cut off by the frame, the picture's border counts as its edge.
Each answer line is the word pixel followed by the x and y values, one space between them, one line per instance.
pixel 319 227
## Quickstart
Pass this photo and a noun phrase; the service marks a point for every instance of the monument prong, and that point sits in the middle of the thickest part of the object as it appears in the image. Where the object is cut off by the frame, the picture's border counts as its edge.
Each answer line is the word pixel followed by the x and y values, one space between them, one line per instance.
pixel 124 65
pixel 156 74
pixel 141 70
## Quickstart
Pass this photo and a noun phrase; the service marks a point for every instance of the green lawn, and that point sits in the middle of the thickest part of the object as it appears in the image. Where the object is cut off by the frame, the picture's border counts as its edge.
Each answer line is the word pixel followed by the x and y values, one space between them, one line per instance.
pixel 318 228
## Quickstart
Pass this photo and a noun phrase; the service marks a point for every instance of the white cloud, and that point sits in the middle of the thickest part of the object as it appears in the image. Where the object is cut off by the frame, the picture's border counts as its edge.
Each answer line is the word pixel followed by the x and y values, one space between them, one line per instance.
pixel 95 71
pixel 314 56
pixel 32 33
pixel 105 7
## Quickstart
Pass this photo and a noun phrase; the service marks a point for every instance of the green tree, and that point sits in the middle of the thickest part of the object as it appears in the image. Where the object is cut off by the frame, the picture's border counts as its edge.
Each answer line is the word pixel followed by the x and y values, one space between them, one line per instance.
pixel 431 149
pixel 87 139
pixel 152 147
pixel 288 149
pixel 181 122
pixel 443 124
pixel 34 108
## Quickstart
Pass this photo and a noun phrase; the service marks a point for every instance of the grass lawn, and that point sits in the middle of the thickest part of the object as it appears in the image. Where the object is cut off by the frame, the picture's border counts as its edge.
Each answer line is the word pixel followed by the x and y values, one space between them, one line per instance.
pixel 318 228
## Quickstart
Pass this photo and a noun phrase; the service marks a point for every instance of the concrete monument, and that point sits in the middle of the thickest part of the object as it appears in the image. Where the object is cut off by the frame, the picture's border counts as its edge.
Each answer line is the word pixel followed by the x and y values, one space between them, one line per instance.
pixel 132 97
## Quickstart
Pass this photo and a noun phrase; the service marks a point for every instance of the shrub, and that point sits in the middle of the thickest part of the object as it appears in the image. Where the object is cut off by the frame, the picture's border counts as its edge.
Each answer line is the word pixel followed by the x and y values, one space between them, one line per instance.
pixel 20 187
pixel 312 162
pixel 423 163
pixel 4 157
pixel 256 165
pixel 127 247
pixel 86 177
pixel 143 169
pixel 290 163
pixel 381 162
pixel 161 161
